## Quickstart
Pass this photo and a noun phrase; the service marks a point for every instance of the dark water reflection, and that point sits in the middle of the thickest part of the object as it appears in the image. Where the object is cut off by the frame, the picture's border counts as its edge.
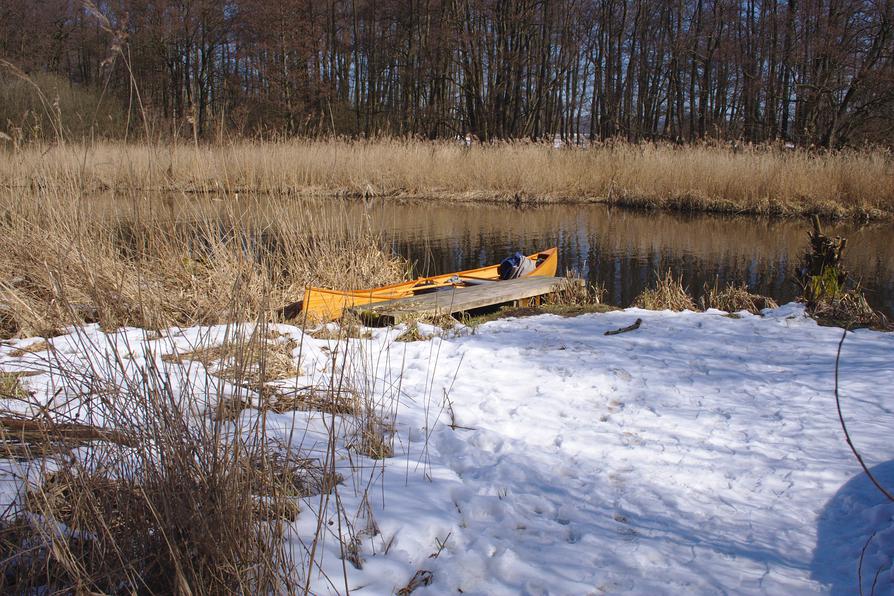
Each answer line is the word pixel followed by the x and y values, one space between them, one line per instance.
pixel 624 249
pixel 621 249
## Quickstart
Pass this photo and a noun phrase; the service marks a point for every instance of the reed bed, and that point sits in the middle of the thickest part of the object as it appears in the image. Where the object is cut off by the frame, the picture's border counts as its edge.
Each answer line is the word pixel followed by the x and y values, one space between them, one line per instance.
pixel 134 477
pixel 712 177
pixel 65 259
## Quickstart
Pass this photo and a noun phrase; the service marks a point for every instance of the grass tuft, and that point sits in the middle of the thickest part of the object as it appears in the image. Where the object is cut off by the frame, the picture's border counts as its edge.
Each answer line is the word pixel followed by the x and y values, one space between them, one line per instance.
pixel 444 322
pixel 575 291
pixel 33 348
pixel 734 298
pixel 373 439
pixel 849 309
pixel 667 294
pixel 11 386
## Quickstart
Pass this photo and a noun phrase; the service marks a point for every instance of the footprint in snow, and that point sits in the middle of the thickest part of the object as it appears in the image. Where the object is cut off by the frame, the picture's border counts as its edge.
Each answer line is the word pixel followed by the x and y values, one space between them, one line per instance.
pixel 486 442
pixel 622 374
pixel 624 529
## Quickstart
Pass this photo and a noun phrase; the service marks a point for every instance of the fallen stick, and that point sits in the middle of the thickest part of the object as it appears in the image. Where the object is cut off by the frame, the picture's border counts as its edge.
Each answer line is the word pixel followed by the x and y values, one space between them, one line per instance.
pixel 626 329
pixel 34 432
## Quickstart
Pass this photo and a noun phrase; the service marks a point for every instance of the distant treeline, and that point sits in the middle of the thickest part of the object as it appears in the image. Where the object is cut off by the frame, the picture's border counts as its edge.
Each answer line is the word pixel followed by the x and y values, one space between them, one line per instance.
pixel 812 72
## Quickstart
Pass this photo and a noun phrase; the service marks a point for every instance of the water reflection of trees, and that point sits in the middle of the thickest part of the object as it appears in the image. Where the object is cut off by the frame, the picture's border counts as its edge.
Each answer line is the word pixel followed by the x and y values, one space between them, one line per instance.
pixel 621 249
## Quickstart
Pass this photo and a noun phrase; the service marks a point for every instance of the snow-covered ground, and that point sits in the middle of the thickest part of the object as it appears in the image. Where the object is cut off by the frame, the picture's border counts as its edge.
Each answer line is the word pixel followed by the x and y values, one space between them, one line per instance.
pixel 698 454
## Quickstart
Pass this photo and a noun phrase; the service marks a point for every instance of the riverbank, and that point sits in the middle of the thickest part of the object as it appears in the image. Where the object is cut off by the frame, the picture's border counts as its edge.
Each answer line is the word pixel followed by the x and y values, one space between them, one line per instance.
pixel 696 453
pixel 156 260
pixel 67 260
pixel 714 178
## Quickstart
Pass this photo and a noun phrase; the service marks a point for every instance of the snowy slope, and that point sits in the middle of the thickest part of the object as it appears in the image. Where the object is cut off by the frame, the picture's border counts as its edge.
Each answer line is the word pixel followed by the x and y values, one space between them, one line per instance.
pixel 698 454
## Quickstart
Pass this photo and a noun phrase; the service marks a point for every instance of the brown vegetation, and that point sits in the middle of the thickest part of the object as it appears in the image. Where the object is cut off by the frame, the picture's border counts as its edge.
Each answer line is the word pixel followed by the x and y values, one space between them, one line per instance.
pixel 734 298
pixel 826 287
pixel 180 490
pixel 155 502
pixel 65 259
pixel 575 291
pixel 849 310
pixel 11 386
pixel 159 500
pixel 46 106
pixel 667 294
pixel 702 177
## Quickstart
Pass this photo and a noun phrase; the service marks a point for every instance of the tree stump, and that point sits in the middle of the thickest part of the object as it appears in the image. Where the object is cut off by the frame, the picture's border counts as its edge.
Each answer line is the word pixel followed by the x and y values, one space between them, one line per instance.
pixel 821 275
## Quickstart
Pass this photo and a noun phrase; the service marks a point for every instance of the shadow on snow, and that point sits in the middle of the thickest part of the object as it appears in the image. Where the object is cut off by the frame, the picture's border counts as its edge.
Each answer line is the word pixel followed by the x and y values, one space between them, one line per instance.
pixel 849 518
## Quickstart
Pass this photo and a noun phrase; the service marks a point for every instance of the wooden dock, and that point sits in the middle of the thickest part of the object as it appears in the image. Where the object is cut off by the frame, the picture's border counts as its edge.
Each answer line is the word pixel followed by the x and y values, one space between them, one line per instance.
pixel 453 300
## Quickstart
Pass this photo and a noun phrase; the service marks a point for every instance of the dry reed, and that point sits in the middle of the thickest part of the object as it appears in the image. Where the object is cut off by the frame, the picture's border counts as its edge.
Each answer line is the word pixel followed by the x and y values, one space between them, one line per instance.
pixel 159 500
pixel 715 177
pixel 11 386
pixel 850 310
pixel 64 260
pixel 667 294
pixel 157 503
pixel 441 322
pixel 734 298
pixel 573 290
pixel 186 504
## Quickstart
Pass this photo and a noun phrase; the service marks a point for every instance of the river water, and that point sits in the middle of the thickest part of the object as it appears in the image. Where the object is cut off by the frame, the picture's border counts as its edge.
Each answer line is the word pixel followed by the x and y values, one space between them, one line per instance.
pixel 624 250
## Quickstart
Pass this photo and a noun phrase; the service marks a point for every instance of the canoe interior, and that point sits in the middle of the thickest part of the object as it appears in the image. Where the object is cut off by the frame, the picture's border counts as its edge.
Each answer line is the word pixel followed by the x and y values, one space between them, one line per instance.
pixel 322 304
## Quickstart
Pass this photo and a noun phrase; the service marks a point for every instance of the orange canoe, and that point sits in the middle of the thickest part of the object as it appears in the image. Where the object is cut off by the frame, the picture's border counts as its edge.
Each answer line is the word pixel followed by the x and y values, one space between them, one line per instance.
pixel 326 305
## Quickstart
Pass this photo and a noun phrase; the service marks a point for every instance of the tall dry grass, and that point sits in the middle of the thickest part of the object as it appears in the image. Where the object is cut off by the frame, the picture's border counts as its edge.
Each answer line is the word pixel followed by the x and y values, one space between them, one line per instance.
pixel 178 507
pixel 129 261
pixel 144 467
pixel 667 293
pixel 174 485
pixel 762 179
pixel 137 475
pixel 734 298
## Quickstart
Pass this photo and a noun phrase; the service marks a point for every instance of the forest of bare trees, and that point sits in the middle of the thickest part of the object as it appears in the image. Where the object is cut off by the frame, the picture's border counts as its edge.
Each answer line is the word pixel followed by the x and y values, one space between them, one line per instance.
pixel 811 72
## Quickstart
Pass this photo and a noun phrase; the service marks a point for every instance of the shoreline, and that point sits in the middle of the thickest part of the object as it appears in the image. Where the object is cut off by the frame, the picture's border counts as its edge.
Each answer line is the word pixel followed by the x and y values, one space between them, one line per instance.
pixel 678 204
pixel 759 180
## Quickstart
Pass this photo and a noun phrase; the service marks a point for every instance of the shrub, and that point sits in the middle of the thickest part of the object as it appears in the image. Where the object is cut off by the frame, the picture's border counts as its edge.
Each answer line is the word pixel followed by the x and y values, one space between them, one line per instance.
pixel 47 107
pixel 826 287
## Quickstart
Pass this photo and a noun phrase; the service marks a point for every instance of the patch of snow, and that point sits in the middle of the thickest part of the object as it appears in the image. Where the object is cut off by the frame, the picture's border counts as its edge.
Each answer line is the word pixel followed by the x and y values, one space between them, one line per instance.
pixel 698 454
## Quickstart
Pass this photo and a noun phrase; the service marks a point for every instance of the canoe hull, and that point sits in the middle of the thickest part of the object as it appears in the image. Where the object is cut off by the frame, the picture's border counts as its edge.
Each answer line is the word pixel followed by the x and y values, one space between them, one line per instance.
pixel 321 304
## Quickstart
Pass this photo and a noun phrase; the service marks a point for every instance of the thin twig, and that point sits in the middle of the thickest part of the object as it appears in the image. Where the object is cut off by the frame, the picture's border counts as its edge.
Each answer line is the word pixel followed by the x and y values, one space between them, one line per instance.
pixel 860 564
pixel 847 435
pixel 632 327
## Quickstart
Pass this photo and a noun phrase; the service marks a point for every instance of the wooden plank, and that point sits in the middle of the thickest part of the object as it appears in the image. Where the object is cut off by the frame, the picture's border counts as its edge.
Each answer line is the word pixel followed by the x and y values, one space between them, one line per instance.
pixel 459 299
